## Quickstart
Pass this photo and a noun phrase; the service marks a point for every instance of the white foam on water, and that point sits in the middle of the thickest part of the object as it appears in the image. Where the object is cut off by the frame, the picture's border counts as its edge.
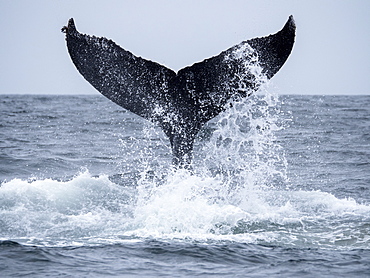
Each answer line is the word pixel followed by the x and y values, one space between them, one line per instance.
pixel 92 210
pixel 51 210
pixel 184 204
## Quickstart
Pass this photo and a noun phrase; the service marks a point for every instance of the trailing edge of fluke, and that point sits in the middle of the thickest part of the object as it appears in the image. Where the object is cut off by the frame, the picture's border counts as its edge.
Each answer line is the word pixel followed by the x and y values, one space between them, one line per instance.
pixel 180 103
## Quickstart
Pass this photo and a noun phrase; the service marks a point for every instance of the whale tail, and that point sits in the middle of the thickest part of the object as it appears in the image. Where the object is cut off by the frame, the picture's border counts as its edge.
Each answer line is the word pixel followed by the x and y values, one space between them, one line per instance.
pixel 181 103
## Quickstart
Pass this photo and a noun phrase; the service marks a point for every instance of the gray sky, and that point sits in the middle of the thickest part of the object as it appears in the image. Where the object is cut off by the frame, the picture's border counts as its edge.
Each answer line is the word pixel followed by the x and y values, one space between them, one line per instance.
pixel 331 54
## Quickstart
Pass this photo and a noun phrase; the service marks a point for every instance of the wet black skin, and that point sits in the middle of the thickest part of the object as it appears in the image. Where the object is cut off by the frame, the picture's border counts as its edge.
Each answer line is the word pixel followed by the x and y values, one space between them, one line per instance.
pixel 180 103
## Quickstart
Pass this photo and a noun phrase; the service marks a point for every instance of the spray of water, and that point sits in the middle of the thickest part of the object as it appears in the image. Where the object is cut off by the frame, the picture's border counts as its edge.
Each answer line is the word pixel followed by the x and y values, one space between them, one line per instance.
pixel 243 150
pixel 238 159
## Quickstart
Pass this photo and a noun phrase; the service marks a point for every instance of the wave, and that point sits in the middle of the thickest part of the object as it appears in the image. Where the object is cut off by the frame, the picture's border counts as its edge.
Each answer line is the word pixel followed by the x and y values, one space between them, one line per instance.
pixel 92 210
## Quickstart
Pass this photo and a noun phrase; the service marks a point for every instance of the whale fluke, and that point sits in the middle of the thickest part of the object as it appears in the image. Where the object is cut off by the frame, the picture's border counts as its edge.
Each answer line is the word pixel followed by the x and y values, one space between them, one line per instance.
pixel 181 103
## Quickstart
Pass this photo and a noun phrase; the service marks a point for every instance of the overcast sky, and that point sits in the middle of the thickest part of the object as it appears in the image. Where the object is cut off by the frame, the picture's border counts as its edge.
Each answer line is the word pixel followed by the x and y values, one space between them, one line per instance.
pixel 331 54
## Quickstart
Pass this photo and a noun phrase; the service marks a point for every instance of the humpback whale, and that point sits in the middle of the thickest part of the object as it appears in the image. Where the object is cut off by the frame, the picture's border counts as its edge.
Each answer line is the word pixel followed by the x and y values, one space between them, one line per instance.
pixel 180 103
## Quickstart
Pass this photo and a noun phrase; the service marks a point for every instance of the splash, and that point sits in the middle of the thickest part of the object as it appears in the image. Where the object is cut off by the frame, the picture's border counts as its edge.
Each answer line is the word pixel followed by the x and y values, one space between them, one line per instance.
pixel 243 150
pixel 240 157
pixel 184 204
pixel 239 189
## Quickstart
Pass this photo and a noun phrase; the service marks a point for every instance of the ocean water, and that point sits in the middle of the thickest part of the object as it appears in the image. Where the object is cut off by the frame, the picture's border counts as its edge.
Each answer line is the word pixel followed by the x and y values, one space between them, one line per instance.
pixel 280 188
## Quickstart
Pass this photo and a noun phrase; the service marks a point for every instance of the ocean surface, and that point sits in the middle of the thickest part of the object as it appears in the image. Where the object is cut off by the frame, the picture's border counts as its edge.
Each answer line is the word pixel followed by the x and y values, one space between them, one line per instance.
pixel 280 187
